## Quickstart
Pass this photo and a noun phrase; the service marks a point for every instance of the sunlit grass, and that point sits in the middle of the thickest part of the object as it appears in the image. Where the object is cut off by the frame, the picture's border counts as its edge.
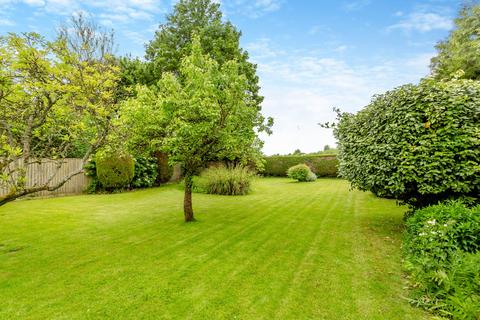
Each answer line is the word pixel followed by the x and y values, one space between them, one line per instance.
pixel 286 251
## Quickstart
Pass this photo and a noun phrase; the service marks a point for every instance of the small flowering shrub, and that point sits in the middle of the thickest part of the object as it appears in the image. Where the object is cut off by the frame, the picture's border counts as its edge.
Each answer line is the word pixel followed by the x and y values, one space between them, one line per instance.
pixel 442 249
pixel 302 173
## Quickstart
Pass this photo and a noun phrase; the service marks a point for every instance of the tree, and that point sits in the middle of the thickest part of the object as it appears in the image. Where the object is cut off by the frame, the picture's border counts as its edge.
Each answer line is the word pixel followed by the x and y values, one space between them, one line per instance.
pixel 297 152
pixel 200 114
pixel 460 52
pixel 326 147
pixel 51 99
pixel 419 144
pixel 88 41
pixel 221 40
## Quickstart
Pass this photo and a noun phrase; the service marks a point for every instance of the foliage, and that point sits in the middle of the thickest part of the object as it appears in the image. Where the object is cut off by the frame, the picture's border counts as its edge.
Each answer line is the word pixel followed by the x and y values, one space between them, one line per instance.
pixel 146 172
pixel 460 51
pixel 114 170
pixel 321 165
pixel 52 102
pixel 223 180
pixel 94 184
pixel 417 143
pixel 442 249
pixel 302 173
pixel 218 39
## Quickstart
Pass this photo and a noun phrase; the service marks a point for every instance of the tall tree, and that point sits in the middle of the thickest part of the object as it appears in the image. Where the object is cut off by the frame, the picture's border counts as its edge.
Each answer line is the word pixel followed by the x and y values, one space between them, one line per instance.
pixel 221 40
pixel 51 99
pixel 460 52
pixel 199 114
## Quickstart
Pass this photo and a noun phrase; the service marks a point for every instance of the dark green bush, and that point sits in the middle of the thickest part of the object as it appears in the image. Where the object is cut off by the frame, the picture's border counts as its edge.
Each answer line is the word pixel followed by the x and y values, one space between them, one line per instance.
pixel 91 171
pixel 114 171
pixel 442 255
pixel 302 173
pixel 234 180
pixel 321 165
pixel 417 143
pixel 146 172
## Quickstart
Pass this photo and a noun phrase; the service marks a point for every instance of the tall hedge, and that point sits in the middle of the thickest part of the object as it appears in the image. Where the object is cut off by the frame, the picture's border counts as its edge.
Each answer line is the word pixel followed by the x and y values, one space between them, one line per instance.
pixel 321 165
pixel 417 143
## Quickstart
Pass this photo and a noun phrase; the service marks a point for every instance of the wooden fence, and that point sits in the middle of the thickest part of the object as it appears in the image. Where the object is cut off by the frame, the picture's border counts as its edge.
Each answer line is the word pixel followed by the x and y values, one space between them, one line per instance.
pixel 38 174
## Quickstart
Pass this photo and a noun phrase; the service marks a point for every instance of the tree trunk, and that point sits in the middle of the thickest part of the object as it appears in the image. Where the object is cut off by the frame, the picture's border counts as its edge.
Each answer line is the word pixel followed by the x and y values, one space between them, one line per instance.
pixel 187 200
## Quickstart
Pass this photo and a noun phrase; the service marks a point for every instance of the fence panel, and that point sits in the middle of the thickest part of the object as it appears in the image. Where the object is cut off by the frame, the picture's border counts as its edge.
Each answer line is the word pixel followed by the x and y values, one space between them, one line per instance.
pixel 38 173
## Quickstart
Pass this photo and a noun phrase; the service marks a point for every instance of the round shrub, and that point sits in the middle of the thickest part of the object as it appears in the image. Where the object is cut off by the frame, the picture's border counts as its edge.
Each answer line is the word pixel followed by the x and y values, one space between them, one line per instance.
pixel 417 143
pixel 115 171
pixel 235 180
pixel 301 172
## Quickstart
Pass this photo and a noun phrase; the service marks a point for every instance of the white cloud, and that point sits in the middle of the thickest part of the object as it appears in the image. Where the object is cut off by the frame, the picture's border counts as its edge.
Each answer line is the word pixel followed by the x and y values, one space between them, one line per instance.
pixel 356 5
pixel 6 22
pixel 37 3
pixel 119 11
pixel 301 89
pixel 423 22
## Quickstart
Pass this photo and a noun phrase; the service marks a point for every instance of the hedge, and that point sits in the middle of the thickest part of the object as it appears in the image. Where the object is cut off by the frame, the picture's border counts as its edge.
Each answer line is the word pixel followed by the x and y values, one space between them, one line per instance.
pixel 418 143
pixel 321 165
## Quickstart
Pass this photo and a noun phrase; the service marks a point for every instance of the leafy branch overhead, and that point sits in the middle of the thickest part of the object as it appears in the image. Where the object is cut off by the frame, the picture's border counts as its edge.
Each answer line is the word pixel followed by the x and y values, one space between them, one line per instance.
pixel 51 102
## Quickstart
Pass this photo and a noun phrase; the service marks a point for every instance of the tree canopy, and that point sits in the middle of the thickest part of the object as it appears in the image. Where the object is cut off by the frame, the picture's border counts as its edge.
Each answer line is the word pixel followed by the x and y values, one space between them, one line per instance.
pixel 173 40
pixel 460 52
pixel 51 101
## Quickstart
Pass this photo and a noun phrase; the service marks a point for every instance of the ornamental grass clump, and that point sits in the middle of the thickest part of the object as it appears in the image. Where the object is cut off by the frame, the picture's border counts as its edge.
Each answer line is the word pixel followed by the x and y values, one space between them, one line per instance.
pixel 224 180
pixel 302 173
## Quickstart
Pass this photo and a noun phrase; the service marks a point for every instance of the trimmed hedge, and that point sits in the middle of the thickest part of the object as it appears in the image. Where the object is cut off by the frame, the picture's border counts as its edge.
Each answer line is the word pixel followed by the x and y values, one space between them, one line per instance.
pixel 115 171
pixel 321 165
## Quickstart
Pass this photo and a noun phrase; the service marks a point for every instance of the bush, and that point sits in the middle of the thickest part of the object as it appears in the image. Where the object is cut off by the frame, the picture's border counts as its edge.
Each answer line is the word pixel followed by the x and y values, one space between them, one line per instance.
pixel 321 165
pixel 301 172
pixel 442 249
pixel 146 172
pixel 91 171
pixel 114 171
pixel 235 180
pixel 418 143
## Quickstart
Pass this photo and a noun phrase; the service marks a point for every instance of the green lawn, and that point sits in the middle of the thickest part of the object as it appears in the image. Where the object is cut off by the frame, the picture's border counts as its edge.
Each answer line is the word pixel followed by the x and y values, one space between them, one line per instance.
pixel 287 251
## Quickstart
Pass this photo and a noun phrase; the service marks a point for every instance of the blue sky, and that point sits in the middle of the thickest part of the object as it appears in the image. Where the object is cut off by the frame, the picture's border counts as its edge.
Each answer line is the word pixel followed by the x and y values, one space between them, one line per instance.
pixel 311 55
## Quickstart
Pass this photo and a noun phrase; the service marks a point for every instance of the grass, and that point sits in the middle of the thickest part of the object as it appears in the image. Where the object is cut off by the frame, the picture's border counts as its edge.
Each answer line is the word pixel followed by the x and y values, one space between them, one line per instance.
pixel 286 251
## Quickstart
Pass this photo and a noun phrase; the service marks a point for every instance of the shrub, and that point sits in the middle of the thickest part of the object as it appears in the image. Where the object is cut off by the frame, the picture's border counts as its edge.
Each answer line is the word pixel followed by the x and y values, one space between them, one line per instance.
pixel 321 165
pixel 91 171
pixel 234 180
pixel 417 143
pixel 114 171
pixel 146 172
pixel 301 172
pixel 442 249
